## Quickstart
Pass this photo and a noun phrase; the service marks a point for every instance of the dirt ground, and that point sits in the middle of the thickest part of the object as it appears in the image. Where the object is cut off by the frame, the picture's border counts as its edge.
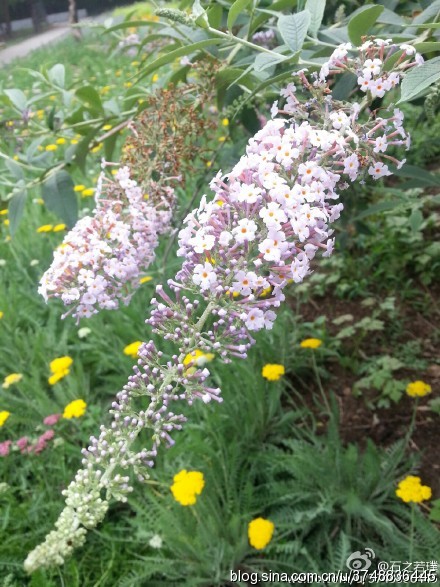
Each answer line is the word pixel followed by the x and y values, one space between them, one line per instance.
pixel 358 420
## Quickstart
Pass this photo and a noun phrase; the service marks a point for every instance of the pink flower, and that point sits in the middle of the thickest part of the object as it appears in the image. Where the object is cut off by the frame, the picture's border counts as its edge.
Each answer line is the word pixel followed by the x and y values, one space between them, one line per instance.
pixel 52 419
pixel 22 443
pixel 48 435
pixel 4 448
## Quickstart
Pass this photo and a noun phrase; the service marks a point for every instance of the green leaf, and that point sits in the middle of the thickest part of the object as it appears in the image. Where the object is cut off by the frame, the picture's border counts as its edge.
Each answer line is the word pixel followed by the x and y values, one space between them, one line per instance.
pixel 130 24
pixel 17 98
pixel 416 220
pixel 263 15
pixel 201 18
pixel 82 148
pixel 419 78
pixel 90 98
pixel 427 46
pixel 293 29
pixel 362 21
pixel 316 9
pixel 235 11
pixel 14 168
pixel 265 60
pixel 344 85
pixel 58 195
pixel 181 52
pixel 431 12
pixel 57 75
pixel 215 16
pixel 434 514
pixel 423 176
pixel 15 210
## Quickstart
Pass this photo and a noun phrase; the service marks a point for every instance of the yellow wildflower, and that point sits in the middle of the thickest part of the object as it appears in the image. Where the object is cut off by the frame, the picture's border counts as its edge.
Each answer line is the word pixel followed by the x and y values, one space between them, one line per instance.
pixel 51 147
pixel 198 358
pixel 45 228
pixel 11 379
pixel 79 188
pixel 61 364
pixel 1 314
pixel 6 222
pixel 155 78
pixel 418 389
pixel 222 139
pixel 75 409
pixel 145 279
pixel 208 164
pixel 272 371
pixel 96 149
pixel 3 212
pixel 59 367
pixel 128 84
pixel 4 415
pixel 186 486
pixel 59 227
pixel 311 343
pixel 107 127
pixel 132 349
pixel 114 171
pixel 73 141
pixel 411 489
pixel 61 141
pixel 87 192
pixel 38 201
pixel 225 122
pixel 260 532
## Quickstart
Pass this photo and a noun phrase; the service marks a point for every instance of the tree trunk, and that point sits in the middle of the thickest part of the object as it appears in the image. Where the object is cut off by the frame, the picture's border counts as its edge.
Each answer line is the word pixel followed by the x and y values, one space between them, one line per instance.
pixel 73 19
pixel 6 17
pixel 38 14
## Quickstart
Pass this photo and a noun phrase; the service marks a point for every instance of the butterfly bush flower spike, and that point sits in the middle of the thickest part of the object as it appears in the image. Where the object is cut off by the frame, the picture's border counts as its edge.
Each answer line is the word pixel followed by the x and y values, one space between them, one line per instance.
pixel 267 220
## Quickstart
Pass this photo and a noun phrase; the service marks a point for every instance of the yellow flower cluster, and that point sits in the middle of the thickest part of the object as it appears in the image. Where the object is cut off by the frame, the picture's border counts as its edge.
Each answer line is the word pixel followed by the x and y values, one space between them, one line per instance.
pixel 132 349
pixel 75 409
pixel 145 279
pixel 411 489
pixel 418 389
pixel 51 228
pixel 59 368
pixel 272 371
pixel 11 379
pixel 187 485
pixel 4 415
pixel 311 343
pixel 260 532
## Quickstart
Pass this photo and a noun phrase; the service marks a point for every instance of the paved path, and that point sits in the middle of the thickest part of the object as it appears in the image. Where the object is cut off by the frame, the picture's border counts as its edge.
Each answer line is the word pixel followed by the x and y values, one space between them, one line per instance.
pixel 25 47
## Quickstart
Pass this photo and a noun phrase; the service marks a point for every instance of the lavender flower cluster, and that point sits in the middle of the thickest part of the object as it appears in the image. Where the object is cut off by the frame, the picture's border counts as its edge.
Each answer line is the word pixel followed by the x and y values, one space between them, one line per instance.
pixel 101 259
pixel 266 222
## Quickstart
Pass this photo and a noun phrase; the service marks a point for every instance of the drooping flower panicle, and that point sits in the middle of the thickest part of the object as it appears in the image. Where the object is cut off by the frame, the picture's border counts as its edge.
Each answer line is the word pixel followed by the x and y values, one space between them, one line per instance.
pixel 268 219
